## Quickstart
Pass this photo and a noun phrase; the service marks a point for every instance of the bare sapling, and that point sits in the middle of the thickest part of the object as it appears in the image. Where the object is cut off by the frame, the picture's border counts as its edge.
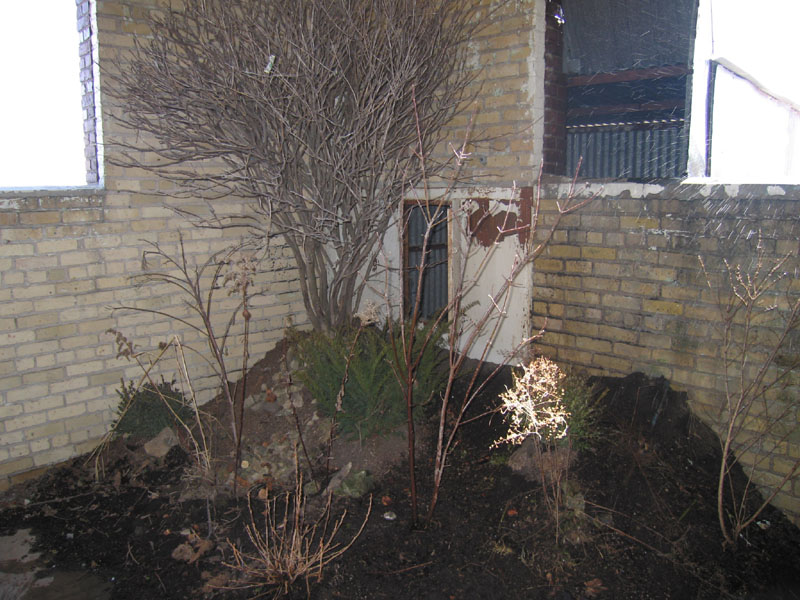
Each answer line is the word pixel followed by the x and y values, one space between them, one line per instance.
pixel 759 308
pixel 197 286
pixel 476 334
pixel 410 351
pixel 471 331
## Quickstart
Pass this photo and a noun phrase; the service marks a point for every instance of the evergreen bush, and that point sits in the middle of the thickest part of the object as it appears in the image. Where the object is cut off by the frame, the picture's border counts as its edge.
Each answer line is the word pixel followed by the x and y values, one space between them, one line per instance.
pixel 373 401
pixel 145 411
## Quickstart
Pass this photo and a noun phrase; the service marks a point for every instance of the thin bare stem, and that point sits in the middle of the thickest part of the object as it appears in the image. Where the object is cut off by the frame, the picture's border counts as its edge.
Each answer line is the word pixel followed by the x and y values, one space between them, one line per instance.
pixel 752 372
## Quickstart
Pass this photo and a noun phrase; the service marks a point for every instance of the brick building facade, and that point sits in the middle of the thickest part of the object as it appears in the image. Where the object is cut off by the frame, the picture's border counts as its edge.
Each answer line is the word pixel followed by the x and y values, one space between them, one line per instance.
pixel 621 287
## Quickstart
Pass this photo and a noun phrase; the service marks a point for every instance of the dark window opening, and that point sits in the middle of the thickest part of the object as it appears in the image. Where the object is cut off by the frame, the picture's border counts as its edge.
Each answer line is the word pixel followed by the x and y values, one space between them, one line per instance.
pixel 434 296
pixel 617 88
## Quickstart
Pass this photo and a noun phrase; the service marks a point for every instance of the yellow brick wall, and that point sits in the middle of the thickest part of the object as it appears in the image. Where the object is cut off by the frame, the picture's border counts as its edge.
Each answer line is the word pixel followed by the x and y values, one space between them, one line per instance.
pixel 621 289
pixel 67 256
pixel 502 114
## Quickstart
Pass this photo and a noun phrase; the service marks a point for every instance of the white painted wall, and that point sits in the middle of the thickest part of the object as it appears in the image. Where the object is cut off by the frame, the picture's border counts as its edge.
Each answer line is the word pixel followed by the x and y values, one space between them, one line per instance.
pixel 756 116
pixel 483 271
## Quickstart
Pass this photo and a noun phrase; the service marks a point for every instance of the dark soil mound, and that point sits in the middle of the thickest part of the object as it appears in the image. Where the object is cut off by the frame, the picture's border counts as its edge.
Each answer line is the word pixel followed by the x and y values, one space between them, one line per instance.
pixel 644 525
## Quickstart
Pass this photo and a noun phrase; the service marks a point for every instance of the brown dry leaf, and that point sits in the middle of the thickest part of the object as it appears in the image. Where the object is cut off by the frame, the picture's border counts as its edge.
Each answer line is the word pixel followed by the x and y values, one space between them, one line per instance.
pixel 191 552
pixel 183 552
pixel 594 587
pixel 203 546
pixel 216 583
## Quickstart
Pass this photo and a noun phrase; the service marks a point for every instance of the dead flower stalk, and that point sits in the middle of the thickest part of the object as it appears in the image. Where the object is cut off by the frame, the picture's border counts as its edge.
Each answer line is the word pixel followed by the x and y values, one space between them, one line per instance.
pixel 288 548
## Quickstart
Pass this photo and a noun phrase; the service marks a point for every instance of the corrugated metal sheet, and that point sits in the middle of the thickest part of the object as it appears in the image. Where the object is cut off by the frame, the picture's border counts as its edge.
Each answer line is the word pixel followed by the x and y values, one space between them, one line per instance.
pixel 628 153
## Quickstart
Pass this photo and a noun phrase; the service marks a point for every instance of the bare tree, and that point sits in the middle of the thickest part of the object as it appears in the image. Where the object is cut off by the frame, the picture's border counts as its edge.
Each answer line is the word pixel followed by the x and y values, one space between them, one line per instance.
pixel 315 109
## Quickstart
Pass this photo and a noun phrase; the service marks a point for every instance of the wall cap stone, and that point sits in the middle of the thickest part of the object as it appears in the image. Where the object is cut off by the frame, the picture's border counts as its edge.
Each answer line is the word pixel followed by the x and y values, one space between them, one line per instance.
pixel 558 187
pixel 49 192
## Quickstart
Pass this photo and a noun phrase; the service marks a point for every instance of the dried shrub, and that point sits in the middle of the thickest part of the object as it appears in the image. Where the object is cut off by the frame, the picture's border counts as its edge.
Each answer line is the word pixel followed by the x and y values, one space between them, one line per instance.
pixel 287 547
pixel 534 405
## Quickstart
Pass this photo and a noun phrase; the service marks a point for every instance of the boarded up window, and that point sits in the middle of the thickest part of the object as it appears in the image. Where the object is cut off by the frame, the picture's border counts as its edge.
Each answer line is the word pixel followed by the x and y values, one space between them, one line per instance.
pixel 625 93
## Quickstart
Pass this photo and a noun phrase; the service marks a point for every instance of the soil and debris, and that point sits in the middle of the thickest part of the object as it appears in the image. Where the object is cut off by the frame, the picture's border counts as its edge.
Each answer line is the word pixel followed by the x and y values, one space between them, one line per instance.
pixel 639 519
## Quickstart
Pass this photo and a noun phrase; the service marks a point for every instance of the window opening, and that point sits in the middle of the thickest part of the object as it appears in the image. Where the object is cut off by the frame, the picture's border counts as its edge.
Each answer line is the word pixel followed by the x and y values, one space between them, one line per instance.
pixel 49 62
pixel 435 295
pixel 743 99
pixel 620 98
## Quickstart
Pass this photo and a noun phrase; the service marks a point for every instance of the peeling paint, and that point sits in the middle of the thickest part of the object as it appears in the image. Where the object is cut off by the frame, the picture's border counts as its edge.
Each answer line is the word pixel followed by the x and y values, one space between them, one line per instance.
pixel 9 204
pixel 775 190
pixel 490 227
pixel 732 190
